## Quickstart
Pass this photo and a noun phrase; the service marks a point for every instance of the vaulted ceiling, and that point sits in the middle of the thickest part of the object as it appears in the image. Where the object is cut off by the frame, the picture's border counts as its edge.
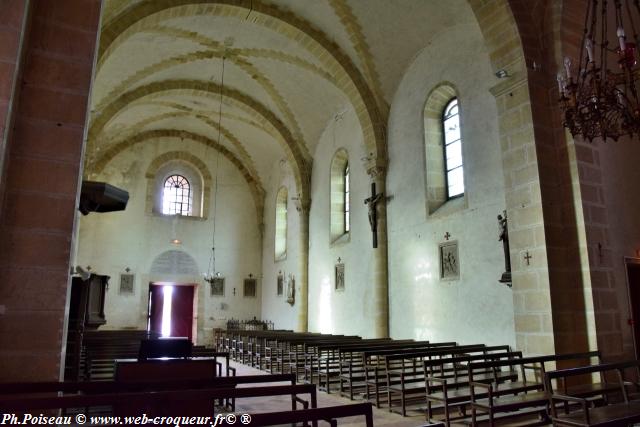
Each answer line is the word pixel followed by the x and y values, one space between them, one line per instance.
pixel 289 67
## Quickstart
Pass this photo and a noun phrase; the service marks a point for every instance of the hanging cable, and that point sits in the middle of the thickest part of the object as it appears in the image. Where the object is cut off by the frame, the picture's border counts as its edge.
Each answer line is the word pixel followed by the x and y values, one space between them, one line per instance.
pixel 212 263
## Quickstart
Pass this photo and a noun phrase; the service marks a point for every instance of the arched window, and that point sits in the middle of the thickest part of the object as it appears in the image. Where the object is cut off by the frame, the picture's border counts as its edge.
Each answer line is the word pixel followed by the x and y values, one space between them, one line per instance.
pixel 168 166
pixel 281 224
pixel 452 149
pixel 444 174
pixel 347 218
pixel 176 196
pixel 340 190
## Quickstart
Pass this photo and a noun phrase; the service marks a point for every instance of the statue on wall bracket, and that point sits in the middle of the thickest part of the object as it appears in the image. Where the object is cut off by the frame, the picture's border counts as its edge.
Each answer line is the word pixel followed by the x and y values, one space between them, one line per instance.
pixel 339 275
pixel 504 237
pixel 291 290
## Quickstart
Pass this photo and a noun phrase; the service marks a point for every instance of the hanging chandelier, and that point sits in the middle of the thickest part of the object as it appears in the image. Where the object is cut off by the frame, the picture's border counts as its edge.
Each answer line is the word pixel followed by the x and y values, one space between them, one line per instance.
pixel 212 274
pixel 600 99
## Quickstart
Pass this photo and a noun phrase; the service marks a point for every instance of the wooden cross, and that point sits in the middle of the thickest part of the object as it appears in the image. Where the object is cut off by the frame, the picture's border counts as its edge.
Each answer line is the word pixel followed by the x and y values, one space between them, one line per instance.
pixel 447 235
pixel 528 257
pixel 373 214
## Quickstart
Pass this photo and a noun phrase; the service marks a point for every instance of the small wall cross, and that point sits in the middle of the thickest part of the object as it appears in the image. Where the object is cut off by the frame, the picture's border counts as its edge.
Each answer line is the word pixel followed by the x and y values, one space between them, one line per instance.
pixel 447 235
pixel 528 257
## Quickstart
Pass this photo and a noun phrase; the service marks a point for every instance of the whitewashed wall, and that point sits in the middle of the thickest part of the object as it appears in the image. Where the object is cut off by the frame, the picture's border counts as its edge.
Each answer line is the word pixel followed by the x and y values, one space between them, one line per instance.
pixel 349 311
pixel 475 308
pixel 274 307
pixel 111 242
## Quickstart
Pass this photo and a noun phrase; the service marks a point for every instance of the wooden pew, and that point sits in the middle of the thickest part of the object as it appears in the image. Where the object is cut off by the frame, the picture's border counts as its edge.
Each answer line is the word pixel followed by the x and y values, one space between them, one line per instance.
pixel 298 348
pixel 321 359
pixel 389 367
pixel 516 397
pixel 447 381
pixel 159 403
pixel 354 359
pixel 328 413
pixel 94 387
pixel 244 342
pixel 625 412
pixel 406 382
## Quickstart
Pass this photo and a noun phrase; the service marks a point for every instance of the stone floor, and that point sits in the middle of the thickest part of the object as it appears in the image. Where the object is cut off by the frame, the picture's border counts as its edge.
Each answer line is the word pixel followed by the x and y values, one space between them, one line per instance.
pixel 381 418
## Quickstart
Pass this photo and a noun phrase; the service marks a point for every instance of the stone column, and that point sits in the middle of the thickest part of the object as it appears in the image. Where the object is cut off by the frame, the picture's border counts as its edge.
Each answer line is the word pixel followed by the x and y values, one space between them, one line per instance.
pixel 303 207
pixel 528 245
pixel 43 162
pixel 380 267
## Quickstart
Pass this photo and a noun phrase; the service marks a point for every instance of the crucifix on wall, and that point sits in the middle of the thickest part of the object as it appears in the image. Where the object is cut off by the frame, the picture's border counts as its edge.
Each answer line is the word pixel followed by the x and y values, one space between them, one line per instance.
pixel 372 202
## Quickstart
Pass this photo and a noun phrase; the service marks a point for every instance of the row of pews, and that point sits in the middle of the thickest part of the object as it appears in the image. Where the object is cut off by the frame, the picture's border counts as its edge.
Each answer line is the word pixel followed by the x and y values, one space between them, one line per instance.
pixel 202 385
pixel 100 350
pixel 447 381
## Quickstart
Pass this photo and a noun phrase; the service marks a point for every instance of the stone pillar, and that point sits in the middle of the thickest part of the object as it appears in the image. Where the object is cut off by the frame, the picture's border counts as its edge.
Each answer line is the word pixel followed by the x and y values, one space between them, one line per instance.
pixel 43 163
pixel 528 245
pixel 303 207
pixel 380 267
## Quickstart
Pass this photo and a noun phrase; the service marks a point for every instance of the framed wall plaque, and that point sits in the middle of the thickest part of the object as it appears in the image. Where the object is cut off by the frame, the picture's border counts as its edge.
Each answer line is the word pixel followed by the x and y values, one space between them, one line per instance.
pixel 127 281
pixel 449 261
pixel 250 286
pixel 217 287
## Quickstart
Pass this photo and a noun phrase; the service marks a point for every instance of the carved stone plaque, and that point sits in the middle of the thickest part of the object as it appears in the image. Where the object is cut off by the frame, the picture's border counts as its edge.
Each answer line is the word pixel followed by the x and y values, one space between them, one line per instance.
pixel 217 287
pixel 126 283
pixel 449 261
pixel 340 276
pixel 250 286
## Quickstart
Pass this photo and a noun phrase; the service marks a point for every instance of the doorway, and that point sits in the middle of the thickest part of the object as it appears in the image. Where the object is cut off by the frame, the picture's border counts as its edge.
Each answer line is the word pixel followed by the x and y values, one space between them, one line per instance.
pixel 633 283
pixel 171 309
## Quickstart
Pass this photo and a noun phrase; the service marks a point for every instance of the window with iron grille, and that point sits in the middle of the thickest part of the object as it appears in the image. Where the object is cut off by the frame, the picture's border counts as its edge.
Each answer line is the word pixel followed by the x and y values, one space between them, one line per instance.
pixel 176 196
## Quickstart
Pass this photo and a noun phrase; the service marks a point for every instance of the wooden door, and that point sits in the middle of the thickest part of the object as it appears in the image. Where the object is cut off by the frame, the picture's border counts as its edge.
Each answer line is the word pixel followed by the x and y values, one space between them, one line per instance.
pixel 176 304
pixel 633 280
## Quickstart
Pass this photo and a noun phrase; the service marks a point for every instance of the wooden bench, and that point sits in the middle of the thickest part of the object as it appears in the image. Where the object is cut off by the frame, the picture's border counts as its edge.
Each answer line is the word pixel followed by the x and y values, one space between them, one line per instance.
pixel 329 414
pixel 448 385
pixel 406 384
pixel 159 403
pixel 523 396
pixel 100 348
pixel 354 359
pixel 94 387
pixel 322 360
pixel 256 347
pixel 386 368
pixel 612 414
